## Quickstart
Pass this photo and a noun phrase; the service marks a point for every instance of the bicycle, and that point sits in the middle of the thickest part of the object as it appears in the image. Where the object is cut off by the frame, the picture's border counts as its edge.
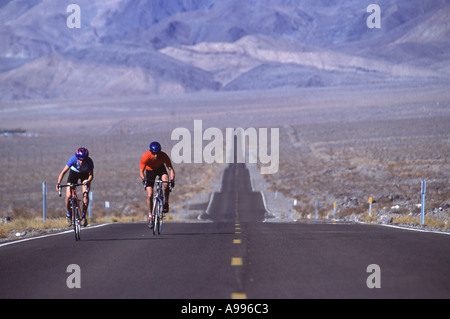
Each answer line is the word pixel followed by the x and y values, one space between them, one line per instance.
pixel 75 207
pixel 157 213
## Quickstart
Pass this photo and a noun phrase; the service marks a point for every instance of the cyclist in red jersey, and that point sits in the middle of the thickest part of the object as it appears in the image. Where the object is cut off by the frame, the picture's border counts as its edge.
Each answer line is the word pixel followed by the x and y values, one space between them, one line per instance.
pixel 153 164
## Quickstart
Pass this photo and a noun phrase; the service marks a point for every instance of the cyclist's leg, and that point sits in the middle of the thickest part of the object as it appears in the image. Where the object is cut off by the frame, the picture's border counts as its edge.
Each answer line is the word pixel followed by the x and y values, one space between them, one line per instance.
pixel 68 207
pixel 162 172
pixel 165 178
pixel 67 199
pixel 85 196
pixel 150 176
pixel 71 179
pixel 85 202
pixel 150 199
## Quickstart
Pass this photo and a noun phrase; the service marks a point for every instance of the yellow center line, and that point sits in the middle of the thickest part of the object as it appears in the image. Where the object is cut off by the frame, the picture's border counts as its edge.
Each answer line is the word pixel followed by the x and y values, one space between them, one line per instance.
pixel 236 261
pixel 238 295
pixel 236 241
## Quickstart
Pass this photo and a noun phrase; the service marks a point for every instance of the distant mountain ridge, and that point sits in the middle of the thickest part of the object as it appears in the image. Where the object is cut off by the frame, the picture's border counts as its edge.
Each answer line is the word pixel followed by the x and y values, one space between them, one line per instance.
pixel 128 47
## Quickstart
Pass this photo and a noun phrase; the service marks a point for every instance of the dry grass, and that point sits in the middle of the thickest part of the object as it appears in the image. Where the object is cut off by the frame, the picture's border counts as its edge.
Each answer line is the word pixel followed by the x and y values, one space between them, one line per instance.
pixel 415 220
pixel 29 224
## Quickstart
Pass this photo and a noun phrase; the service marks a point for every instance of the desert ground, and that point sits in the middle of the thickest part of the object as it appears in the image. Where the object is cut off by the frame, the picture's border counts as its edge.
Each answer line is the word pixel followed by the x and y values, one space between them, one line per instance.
pixel 339 144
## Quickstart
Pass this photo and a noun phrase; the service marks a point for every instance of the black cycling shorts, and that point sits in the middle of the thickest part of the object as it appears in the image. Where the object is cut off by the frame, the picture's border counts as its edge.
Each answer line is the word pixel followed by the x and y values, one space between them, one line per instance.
pixel 150 176
pixel 75 176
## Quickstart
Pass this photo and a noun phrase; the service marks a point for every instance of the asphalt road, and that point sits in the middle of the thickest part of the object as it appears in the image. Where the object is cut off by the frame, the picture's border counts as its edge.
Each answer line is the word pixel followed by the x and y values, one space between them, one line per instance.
pixel 235 255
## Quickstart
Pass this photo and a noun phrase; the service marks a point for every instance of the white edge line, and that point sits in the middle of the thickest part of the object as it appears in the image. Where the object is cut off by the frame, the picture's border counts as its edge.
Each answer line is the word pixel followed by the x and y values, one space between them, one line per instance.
pixel 266 206
pixel 48 235
pixel 209 204
pixel 414 229
pixel 212 193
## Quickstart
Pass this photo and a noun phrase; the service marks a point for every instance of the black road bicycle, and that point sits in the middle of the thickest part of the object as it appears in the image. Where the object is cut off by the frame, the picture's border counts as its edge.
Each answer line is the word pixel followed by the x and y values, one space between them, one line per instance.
pixel 158 206
pixel 75 208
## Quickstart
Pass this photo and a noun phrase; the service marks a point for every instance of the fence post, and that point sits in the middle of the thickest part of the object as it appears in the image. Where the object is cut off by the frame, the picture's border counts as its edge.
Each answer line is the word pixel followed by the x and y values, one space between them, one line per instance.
pixel 334 210
pixel 315 211
pixel 422 212
pixel 288 209
pixel 91 196
pixel 44 201
pixel 107 209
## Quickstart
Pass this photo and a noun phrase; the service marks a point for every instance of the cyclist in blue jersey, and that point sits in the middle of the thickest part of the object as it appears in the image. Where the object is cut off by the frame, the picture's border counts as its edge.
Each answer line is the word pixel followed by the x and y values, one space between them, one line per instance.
pixel 80 167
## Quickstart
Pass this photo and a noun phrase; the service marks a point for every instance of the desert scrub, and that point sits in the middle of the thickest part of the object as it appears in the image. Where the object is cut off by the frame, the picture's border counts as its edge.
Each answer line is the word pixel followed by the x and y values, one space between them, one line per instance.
pixel 373 218
pixel 415 220
pixel 4 232
pixel 406 219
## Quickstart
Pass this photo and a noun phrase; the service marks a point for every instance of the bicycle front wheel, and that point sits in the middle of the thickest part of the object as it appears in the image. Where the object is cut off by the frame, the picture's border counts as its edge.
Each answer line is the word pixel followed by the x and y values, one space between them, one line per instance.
pixel 160 218
pixel 76 222
pixel 155 216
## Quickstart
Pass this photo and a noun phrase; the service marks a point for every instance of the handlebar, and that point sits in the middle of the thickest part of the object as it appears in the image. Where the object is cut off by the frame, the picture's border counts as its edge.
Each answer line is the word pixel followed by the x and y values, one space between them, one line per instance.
pixel 68 185
pixel 157 181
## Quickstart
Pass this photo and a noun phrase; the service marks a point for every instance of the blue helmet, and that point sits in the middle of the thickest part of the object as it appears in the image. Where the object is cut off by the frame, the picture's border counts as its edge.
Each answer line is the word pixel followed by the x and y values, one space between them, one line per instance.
pixel 154 147
pixel 82 153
